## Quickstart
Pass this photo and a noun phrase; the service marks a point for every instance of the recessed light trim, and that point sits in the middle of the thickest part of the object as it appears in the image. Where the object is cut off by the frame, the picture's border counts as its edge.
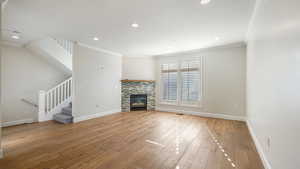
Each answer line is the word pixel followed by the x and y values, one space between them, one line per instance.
pixel 135 25
pixel 217 38
pixel 95 38
pixel 204 2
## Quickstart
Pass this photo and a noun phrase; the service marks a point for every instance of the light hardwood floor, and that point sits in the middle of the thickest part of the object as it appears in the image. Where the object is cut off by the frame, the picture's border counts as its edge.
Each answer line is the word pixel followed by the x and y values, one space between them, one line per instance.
pixel 135 140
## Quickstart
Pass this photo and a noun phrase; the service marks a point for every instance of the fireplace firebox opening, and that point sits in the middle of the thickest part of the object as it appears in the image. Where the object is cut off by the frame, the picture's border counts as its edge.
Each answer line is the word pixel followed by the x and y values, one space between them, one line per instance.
pixel 138 102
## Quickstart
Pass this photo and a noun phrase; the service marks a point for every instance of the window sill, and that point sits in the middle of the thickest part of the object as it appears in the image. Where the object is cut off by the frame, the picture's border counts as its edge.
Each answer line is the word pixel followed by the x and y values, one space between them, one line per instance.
pixel 168 103
pixel 181 105
pixel 191 105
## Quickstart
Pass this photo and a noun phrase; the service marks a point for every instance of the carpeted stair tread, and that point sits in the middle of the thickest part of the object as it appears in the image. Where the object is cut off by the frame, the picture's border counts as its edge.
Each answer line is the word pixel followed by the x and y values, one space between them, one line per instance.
pixel 67 110
pixel 63 118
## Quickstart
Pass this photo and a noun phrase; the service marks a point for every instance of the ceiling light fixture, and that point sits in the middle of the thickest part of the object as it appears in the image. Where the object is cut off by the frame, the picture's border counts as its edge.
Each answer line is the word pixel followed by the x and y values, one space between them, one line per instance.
pixel 135 25
pixel 15 37
pixel 217 38
pixel 95 38
pixel 204 2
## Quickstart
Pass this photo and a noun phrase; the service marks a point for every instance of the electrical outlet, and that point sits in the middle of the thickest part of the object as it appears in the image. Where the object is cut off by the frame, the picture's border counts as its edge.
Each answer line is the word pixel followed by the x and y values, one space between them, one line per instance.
pixel 268 144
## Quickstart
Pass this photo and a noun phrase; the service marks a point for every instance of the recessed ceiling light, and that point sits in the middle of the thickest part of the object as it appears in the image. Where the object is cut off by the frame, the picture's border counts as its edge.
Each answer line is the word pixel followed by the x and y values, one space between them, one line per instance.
pixel 204 2
pixel 217 38
pixel 135 25
pixel 15 37
pixel 95 38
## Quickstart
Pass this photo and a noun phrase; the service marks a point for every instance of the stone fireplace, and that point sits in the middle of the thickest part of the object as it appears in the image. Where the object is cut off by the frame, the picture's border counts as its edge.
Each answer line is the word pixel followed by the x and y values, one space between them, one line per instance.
pixel 138 95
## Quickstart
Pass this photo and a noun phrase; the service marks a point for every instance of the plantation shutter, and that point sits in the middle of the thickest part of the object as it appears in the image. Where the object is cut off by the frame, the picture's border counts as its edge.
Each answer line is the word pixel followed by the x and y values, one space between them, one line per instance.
pixel 190 81
pixel 169 77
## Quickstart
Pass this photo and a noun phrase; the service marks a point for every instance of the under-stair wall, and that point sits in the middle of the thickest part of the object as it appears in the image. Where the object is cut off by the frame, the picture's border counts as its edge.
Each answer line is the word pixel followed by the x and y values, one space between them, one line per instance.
pixel 56 51
pixel 53 52
pixel 24 74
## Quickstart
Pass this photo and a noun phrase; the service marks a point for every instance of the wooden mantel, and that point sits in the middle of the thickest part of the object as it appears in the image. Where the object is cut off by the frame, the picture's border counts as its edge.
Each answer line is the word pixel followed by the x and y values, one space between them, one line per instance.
pixel 127 80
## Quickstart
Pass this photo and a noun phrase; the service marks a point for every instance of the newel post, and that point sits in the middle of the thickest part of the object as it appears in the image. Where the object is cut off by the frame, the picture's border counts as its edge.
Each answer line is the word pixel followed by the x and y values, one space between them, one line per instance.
pixel 42 105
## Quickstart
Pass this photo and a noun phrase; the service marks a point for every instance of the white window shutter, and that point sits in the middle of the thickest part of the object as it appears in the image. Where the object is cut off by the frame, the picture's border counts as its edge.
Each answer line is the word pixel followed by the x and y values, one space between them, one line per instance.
pixel 190 81
pixel 169 74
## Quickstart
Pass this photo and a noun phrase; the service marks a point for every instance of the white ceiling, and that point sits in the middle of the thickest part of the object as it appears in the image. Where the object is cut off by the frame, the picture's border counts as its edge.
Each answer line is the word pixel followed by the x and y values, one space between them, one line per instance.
pixel 165 25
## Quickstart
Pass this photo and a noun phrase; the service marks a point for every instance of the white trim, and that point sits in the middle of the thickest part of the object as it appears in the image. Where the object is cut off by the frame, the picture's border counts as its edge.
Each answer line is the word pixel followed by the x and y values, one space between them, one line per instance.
pixel 258 146
pixel 99 49
pixel 205 114
pixel 195 105
pixel 1 153
pixel 92 116
pixel 17 122
pixel 196 52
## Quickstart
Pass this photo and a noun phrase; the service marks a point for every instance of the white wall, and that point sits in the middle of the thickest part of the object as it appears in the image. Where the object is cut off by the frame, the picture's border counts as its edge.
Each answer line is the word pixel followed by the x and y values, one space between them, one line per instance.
pixel 273 81
pixel 96 80
pixel 53 52
pixel 224 78
pixel 135 68
pixel 23 75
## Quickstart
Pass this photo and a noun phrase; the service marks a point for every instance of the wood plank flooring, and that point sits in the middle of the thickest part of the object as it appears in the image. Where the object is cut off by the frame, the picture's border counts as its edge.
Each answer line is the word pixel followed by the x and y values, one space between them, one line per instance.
pixel 135 140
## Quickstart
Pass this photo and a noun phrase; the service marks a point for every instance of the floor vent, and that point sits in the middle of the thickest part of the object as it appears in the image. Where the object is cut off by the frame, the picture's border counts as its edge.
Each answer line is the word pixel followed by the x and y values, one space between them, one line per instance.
pixel 179 114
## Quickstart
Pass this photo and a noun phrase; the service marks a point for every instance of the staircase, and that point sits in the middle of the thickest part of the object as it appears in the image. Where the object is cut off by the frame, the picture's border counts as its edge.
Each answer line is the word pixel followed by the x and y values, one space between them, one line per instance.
pixel 55 104
pixel 65 116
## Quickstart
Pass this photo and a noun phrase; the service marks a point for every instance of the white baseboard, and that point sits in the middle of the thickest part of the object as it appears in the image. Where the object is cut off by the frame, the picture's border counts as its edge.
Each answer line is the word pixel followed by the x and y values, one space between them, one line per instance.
pixel 1 153
pixel 92 116
pixel 205 114
pixel 18 122
pixel 258 146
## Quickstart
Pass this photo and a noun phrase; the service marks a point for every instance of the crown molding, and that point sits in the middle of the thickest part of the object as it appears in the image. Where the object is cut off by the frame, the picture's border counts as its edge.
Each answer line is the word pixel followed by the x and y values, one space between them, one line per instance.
pixel 99 49
pixel 202 50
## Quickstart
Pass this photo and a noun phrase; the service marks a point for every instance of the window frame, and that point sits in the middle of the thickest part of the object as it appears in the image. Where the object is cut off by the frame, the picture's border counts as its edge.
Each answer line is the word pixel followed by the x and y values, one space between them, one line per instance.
pixel 161 91
pixel 179 101
pixel 189 103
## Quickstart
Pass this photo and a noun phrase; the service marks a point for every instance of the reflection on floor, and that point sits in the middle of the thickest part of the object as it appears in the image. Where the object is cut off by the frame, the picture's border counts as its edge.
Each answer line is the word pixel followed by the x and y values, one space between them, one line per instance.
pixel 135 140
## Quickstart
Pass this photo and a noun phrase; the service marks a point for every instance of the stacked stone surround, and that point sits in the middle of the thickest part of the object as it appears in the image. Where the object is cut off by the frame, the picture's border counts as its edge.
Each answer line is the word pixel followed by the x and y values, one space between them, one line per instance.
pixel 129 88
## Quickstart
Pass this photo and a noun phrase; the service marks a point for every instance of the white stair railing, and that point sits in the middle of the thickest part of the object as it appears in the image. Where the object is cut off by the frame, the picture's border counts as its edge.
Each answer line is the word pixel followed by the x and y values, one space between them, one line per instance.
pixel 66 44
pixel 53 98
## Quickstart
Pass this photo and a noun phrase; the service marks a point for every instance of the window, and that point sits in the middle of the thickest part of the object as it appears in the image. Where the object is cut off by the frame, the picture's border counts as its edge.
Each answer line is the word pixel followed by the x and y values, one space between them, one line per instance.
pixel 190 81
pixel 181 82
pixel 169 82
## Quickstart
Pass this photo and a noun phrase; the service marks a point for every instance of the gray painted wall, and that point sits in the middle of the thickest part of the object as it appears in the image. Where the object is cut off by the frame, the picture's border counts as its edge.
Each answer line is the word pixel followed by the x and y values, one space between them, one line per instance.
pixel 138 68
pixel 273 80
pixel 23 75
pixel 224 78
pixel 96 80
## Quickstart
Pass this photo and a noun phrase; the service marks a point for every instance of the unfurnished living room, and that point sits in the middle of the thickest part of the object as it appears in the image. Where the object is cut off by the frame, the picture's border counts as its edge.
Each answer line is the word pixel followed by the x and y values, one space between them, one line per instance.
pixel 150 84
